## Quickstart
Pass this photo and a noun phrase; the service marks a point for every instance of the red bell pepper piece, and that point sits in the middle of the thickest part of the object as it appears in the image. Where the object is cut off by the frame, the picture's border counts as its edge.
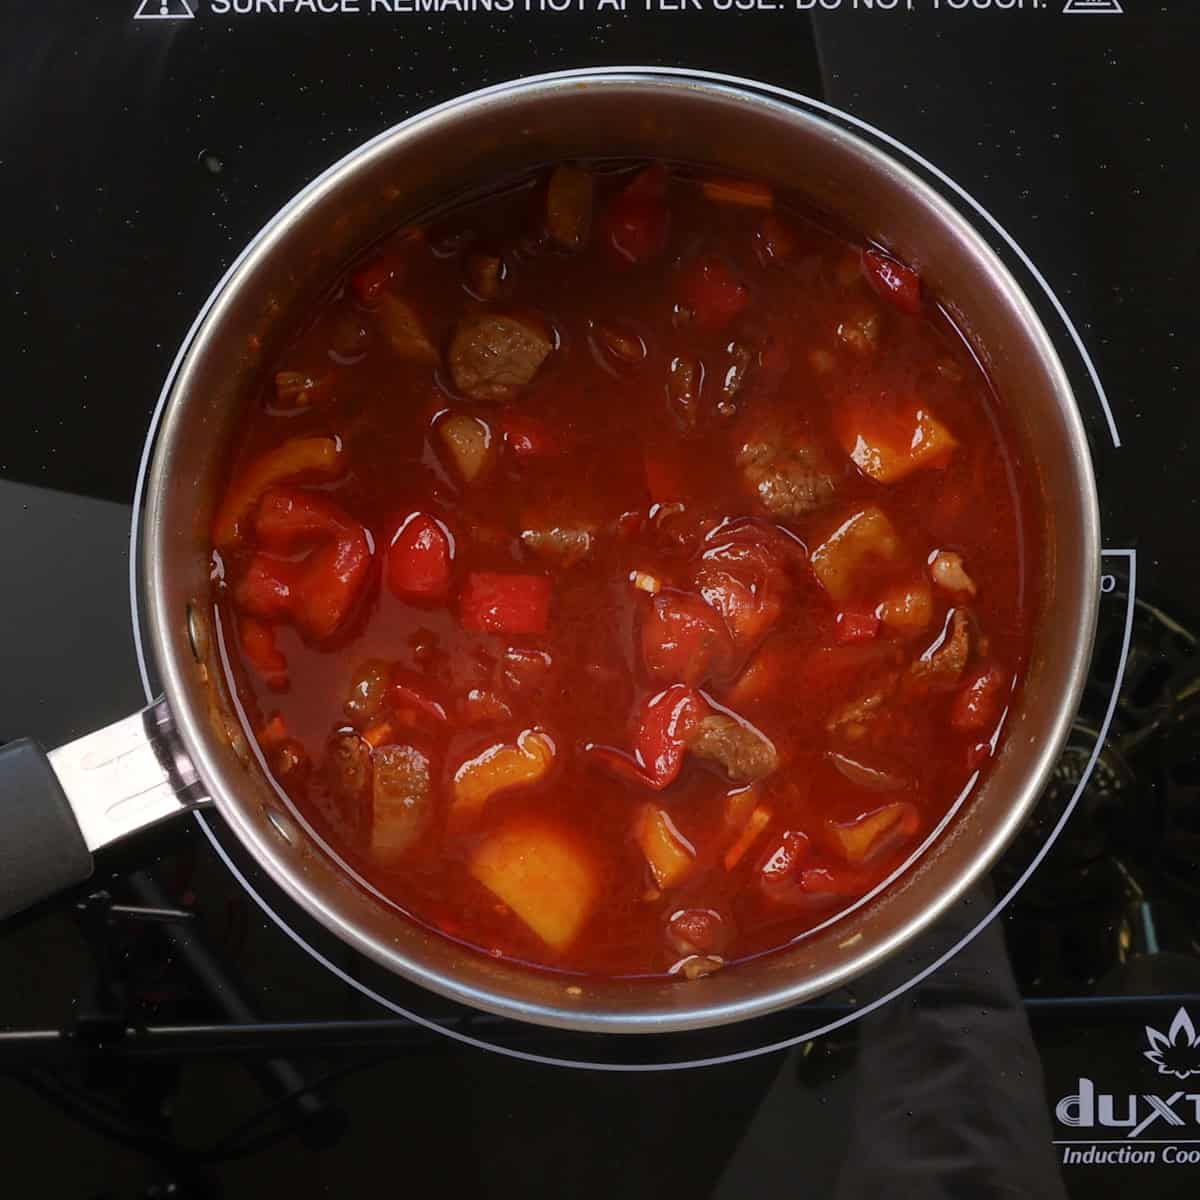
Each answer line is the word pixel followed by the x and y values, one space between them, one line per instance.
pixel 853 626
pixel 781 863
pixel 893 281
pixel 527 437
pixel 978 704
pixel 419 559
pixel 713 293
pixel 664 728
pixel 638 221
pixel 496 603
pixel 408 690
pixel 317 592
pixel 259 648
pixel 683 639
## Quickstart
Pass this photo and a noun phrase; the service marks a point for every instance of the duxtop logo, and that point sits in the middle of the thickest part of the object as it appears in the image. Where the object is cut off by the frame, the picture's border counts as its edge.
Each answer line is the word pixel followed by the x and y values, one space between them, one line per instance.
pixel 1176 1052
pixel 1139 1128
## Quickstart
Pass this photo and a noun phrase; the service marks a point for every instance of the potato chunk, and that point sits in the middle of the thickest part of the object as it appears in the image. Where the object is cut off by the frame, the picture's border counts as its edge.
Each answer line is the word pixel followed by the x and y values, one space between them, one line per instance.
pixel 890 446
pixel 497 769
pixel 869 834
pixel 404 331
pixel 544 877
pixel 469 443
pixel 569 205
pixel 838 560
pixel 907 607
pixel 670 855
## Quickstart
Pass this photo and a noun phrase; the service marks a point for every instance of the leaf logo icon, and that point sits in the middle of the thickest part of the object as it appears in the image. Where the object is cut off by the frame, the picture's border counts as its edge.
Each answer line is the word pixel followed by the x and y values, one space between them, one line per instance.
pixel 1176 1052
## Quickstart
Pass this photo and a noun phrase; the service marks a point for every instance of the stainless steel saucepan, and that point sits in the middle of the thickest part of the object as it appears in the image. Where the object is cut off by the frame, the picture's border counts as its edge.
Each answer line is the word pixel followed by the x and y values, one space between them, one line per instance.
pixel 190 748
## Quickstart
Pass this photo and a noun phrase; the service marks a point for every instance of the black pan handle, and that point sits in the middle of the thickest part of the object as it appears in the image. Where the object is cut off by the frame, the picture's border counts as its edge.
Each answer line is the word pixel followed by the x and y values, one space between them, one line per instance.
pixel 42 850
pixel 57 809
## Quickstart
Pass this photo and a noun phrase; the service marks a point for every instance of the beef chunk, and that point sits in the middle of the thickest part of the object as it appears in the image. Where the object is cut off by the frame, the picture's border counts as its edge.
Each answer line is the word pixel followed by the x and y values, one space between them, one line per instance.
pixel 402 799
pixel 492 354
pixel 789 477
pixel 745 753
pixel 562 545
pixel 943 664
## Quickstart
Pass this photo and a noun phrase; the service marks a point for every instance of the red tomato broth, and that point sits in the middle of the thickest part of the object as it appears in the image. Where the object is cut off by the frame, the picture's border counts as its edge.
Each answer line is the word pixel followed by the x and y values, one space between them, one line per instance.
pixel 597 421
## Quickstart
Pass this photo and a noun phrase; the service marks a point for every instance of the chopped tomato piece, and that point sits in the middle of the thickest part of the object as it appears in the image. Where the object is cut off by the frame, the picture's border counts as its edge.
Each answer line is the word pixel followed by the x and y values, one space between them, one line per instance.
pixel 638 220
pixel 670 855
pixel 258 645
pixel 712 292
pixel 664 728
pixel 419 559
pixel 318 591
pixel 527 437
pixel 312 457
pixel 683 639
pixel 978 705
pixel 779 866
pixel 893 281
pixel 497 603
pixel 740 576
pixel 854 626
pixel 698 931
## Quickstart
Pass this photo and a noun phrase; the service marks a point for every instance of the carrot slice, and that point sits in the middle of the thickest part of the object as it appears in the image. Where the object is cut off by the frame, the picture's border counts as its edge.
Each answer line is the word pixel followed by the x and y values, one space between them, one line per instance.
pixel 746 193
pixel 760 818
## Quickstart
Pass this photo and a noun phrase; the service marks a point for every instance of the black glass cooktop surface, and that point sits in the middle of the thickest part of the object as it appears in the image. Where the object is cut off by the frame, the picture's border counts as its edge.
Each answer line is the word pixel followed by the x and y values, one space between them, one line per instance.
pixel 176 1028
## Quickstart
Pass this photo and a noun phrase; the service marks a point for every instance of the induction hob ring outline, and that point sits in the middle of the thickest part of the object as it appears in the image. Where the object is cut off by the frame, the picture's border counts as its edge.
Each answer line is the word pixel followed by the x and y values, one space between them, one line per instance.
pixel 1001 903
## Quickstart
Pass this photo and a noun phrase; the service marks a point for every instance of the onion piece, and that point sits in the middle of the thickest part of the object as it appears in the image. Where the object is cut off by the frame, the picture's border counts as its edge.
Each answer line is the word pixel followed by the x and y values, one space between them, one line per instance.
pixel 863 776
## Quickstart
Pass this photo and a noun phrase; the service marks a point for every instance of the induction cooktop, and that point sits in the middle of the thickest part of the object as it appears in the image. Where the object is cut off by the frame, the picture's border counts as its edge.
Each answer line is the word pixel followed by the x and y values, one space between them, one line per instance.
pixel 177 1027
